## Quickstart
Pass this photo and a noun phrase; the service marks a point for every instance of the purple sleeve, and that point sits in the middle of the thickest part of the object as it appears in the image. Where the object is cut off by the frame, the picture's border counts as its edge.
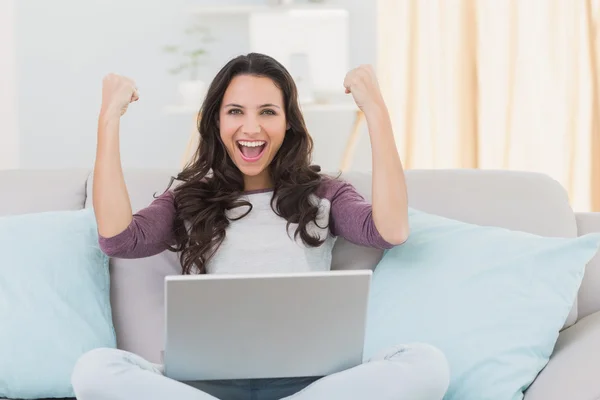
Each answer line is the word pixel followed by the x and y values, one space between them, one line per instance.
pixel 149 233
pixel 351 215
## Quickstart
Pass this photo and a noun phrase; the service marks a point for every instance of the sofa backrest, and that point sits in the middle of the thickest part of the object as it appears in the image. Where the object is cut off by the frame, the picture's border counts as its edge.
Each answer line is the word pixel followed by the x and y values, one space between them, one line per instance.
pixel 522 201
pixel 27 191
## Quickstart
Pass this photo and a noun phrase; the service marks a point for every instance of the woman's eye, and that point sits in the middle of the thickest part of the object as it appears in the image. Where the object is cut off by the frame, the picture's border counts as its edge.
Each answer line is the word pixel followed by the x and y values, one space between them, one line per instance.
pixel 268 112
pixel 235 111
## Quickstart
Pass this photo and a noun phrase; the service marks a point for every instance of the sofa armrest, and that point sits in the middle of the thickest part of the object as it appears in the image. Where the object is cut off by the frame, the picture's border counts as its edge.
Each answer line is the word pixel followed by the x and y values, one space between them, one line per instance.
pixel 572 372
pixel 589 294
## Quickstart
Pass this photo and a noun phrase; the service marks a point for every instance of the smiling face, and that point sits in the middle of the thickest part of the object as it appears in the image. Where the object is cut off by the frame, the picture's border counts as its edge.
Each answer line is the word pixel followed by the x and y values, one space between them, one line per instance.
pixel 252 125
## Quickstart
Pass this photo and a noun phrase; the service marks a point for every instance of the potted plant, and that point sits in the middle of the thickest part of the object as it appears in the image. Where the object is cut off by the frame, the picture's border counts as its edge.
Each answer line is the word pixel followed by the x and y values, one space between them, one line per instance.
pixel 192 89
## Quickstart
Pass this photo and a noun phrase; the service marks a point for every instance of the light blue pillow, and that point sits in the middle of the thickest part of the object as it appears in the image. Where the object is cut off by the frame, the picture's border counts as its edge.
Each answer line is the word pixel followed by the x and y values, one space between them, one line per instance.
pixel 54 301
pixel 493 300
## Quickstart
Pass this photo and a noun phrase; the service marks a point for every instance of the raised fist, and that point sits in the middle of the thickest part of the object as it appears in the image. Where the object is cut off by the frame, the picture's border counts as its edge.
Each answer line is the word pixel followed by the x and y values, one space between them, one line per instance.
pixel 362 83
pixel 117 93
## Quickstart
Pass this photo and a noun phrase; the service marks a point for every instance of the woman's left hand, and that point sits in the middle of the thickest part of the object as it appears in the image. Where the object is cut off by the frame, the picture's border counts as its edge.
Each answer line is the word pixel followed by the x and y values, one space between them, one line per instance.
pixel 362 83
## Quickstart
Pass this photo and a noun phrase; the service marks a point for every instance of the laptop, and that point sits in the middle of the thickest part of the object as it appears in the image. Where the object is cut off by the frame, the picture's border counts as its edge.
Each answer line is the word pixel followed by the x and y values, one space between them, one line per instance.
pixel 220 327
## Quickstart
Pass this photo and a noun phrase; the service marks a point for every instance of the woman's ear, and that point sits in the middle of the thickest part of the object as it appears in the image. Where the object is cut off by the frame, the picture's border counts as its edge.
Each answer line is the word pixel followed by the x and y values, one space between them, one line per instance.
pixel 287 126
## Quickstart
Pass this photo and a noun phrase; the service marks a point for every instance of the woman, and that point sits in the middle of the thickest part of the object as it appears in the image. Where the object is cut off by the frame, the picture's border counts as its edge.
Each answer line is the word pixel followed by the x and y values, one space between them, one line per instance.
pixel 251 174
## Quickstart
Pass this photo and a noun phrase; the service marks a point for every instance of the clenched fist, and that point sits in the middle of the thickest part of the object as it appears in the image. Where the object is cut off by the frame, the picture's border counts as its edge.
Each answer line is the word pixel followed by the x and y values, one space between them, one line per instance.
pixel 363 85
pixel 117 93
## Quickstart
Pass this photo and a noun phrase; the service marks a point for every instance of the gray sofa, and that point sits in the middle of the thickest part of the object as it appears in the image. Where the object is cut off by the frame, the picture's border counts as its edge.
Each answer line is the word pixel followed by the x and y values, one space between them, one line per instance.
pixel 521 201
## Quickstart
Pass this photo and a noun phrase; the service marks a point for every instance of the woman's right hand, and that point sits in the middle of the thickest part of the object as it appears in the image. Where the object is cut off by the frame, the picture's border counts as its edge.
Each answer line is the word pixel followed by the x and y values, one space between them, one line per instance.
pixel 117 93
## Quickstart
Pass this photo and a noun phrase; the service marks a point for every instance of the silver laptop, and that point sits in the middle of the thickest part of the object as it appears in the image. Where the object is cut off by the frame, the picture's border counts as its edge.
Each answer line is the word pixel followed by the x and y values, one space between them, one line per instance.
pixel 264 326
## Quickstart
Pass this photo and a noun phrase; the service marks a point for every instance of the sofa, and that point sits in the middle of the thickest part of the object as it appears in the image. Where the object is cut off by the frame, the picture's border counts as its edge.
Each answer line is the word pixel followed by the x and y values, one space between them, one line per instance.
pixel 524 201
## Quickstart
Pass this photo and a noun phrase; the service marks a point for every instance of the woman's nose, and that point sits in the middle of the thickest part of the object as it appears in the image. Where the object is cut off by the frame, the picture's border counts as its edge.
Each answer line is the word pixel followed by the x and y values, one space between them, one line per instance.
pixel 251 126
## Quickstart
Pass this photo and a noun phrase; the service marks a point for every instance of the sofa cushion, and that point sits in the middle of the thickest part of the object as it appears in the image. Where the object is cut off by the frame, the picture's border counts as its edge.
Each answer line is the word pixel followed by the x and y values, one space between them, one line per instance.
pixel 54 302
pixel 492 299
pixel 31 191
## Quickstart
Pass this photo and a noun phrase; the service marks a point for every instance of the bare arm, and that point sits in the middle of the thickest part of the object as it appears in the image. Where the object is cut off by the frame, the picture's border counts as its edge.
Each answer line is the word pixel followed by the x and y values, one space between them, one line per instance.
pixel 110 197
pixel 390 200
pixel 121 233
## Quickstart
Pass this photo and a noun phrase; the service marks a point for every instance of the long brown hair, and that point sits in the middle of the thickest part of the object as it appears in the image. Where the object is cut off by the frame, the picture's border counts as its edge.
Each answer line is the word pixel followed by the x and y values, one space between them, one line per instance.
pixel 212 184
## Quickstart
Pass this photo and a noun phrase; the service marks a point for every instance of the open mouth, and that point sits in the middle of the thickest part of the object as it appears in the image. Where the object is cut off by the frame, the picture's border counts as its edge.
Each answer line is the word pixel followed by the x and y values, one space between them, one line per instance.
pixel 251 150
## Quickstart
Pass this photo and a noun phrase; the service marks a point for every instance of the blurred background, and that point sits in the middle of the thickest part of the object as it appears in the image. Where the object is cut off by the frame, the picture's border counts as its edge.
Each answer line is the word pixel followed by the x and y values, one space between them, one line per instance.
pixel 495 84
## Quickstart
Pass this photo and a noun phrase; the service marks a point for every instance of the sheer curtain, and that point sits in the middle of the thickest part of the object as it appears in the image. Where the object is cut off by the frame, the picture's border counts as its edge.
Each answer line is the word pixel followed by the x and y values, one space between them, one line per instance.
pixel 497 85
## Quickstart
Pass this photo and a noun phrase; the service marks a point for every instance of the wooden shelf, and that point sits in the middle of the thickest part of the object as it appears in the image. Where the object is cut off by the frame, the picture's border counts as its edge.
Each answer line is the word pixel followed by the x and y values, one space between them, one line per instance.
pixel 247 9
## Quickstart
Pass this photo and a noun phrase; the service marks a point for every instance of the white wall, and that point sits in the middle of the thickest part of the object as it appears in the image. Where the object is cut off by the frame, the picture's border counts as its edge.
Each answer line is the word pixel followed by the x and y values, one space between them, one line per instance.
pixel 9 140
pixel 65 47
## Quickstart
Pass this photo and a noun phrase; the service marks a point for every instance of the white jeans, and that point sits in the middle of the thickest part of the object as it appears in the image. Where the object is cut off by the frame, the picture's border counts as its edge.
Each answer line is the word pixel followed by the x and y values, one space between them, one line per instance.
pixel 407 372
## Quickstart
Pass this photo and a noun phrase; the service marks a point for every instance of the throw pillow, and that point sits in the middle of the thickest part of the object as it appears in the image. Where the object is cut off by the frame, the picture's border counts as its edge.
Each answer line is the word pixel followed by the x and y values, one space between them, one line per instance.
pixel 493 300
pixel 54 301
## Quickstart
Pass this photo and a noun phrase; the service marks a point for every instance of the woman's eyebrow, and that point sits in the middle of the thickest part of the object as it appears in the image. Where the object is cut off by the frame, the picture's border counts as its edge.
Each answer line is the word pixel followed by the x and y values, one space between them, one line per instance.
pixel 269 105
pixel 262 106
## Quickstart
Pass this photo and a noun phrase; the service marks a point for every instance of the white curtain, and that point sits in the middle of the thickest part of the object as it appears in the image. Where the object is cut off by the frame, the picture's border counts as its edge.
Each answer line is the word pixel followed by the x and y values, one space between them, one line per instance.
pixel 495 84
